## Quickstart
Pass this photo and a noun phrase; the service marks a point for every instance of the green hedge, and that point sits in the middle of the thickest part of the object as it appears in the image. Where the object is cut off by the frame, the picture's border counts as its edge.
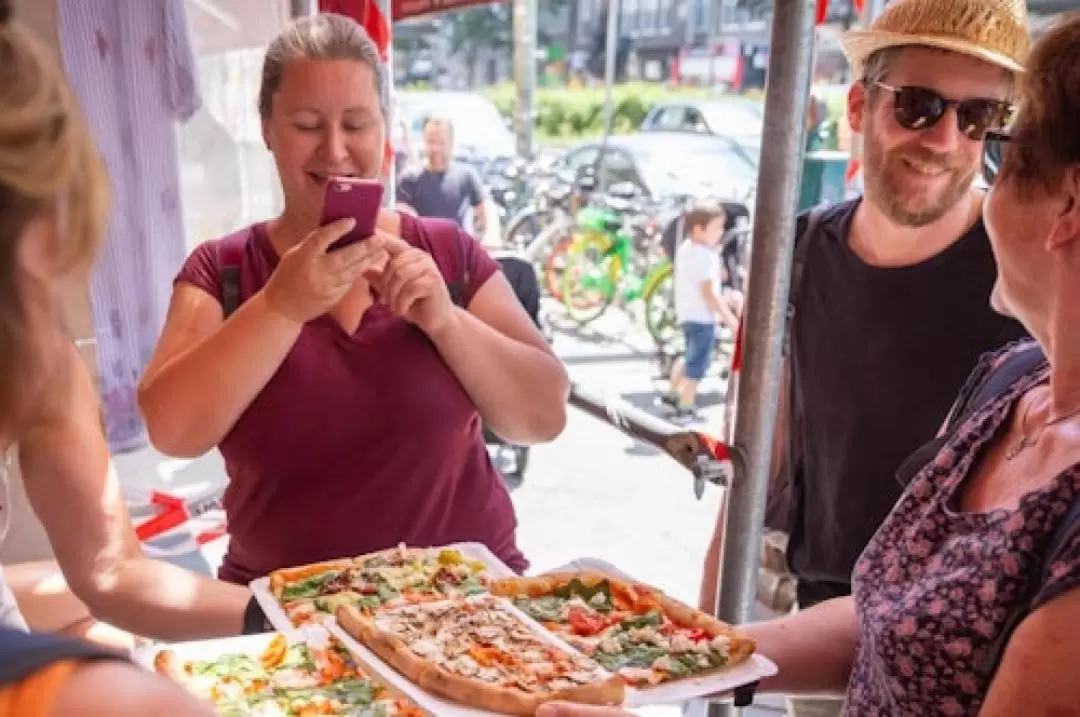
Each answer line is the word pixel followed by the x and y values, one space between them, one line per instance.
pixel 569 114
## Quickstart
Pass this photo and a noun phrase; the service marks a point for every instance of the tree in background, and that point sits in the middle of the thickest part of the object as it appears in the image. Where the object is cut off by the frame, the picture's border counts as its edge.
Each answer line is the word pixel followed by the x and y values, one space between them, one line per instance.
pixel 490 26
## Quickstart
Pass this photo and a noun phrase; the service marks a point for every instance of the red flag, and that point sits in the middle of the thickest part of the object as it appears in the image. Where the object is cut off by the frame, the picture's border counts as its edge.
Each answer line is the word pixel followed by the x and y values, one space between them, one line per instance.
pixel 367 13
pixel 860 6
pixel 404 9
pixel 822 11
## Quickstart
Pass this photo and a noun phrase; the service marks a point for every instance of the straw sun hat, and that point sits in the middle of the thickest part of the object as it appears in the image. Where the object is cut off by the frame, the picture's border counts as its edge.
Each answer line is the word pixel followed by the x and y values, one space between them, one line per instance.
pixel 995 31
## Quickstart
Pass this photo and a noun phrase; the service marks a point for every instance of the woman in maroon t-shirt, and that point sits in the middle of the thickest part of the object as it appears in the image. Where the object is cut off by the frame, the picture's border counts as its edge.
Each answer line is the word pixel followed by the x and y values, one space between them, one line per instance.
pixel 346 392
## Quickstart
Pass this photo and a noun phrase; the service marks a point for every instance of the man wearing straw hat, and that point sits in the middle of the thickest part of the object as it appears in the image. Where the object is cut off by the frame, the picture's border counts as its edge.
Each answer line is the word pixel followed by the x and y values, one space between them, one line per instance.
pixel 891 291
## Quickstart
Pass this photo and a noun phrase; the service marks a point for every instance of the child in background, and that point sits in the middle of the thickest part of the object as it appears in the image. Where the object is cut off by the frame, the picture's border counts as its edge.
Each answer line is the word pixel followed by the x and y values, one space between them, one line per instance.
pixel 699 303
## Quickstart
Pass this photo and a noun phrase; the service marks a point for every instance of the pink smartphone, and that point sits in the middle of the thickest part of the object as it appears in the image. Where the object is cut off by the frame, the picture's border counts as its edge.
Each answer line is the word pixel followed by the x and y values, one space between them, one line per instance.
pixel 359 199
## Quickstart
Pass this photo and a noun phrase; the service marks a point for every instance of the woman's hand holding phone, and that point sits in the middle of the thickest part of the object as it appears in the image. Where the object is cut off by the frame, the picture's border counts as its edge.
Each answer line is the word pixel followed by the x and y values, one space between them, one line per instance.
pixel 310 280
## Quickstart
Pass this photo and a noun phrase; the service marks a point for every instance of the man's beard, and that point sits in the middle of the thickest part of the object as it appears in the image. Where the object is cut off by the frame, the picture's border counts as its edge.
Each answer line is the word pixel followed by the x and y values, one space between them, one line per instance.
pixel 900 204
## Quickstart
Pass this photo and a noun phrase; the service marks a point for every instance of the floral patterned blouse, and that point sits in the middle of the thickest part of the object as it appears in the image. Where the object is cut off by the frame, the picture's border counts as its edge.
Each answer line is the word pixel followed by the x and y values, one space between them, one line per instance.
pixel 935 587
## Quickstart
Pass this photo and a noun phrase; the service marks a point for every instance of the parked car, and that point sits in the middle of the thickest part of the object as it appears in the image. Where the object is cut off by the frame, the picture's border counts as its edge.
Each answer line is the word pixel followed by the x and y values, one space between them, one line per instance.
pixel 740 118
pixel 662 165
pixel 481 135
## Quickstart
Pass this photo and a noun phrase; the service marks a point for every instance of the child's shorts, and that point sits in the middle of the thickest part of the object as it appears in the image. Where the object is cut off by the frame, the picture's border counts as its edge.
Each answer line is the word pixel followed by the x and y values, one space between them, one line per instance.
pixel 700 340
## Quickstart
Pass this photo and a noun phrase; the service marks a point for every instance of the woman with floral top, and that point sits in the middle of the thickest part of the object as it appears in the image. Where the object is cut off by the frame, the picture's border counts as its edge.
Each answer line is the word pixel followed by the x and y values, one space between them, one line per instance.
pixel 969 545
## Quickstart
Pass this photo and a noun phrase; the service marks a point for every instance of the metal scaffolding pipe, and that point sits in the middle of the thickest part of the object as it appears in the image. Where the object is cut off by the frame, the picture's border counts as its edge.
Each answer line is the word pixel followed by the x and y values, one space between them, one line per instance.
pixel 788 82
pixel 387 10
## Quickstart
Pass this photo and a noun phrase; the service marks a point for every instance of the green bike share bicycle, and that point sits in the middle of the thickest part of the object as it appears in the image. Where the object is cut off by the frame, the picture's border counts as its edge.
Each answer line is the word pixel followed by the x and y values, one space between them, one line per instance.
pixel 622 253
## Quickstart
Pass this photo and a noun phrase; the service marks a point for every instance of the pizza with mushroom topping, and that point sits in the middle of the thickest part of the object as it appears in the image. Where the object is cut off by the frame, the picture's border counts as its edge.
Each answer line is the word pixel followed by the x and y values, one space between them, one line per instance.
pixel 398 576
pixel 482 654
pixel 633 631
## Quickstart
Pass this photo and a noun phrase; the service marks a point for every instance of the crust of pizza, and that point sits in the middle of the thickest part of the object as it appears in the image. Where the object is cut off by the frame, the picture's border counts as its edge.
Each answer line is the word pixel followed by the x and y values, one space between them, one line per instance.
pixel 167 663
pixel 540 585
pixel 740 648
pixel 279 579
pixel 433 678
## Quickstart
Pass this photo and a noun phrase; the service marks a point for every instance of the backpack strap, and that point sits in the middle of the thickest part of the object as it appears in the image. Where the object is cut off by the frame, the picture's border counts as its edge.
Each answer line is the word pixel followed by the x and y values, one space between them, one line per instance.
pixel 1063 536
pixel 23 653
pixel 444 231
pixel 811 224
pixel 810 221
pixel 230 254
pixel 983 387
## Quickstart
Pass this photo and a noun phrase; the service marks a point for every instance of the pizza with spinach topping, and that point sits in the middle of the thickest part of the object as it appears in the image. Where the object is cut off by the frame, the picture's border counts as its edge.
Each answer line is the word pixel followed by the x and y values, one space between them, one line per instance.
pixel 399 576
pixel 286 680
pixel 633 631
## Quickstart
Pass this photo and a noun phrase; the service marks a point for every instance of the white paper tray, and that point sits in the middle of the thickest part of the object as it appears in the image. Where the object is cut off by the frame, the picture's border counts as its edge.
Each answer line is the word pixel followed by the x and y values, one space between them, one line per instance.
pixel 254 645
pixel 756 668
pixel 434 704
pixel 276 614
pixel 211 649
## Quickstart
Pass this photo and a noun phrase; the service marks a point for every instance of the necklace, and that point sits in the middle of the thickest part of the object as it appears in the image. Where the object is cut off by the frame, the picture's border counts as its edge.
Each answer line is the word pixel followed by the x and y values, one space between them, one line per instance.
pixel 1027 441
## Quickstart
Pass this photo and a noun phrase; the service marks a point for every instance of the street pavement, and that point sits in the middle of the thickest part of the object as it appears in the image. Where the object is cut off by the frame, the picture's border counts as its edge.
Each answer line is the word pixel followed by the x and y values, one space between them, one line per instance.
pixel 591 493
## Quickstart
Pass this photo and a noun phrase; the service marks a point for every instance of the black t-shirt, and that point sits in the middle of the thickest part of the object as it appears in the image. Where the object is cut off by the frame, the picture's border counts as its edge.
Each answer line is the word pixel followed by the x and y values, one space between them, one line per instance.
pixel 448 195
pixel 880 355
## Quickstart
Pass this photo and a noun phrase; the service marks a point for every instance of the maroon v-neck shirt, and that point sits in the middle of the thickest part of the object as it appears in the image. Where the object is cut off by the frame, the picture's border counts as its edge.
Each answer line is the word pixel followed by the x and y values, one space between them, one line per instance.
pixel 358 442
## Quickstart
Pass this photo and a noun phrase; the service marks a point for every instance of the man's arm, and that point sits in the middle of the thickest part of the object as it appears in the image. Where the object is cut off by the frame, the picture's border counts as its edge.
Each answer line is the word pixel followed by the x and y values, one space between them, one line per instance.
pixel 711 573
pixel 403 196
pixel 477 197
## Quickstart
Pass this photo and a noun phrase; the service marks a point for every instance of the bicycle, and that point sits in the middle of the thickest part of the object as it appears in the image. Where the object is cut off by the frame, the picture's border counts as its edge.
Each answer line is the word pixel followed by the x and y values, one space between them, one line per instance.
pixel 613 258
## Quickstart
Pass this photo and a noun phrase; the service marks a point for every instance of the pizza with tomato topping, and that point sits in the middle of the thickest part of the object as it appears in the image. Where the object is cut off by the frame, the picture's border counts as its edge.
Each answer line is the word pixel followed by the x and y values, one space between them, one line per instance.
pixel 399 576
pixel 633 631
pixel 480 653
pixel 287 681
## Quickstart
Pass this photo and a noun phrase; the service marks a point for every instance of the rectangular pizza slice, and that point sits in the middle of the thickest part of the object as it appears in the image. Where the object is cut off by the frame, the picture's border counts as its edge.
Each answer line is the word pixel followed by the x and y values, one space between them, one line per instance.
pixel 633 631
pixel 397 576
pixel 482 654
pixel 286 680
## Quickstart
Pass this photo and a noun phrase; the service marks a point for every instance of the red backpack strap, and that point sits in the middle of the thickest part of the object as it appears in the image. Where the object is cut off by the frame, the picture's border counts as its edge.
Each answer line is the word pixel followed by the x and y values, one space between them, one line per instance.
pixel 230 254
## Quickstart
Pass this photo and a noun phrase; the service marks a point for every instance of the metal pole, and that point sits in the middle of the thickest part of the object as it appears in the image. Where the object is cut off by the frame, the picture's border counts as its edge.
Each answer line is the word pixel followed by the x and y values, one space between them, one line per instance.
pixel 791 51
pixel 609 66
pixel 525 72
pixel 303 8
pixel 387 10
pixel 713 14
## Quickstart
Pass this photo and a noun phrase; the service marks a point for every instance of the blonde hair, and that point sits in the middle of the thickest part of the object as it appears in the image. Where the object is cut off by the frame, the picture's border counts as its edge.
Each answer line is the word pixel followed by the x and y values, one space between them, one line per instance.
pixel 48 168
pixel 325 36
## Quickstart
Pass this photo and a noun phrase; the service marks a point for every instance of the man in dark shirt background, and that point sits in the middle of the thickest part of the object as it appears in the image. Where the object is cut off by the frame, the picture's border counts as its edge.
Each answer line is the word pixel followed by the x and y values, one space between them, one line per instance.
pixel 894 309
pixel 442 187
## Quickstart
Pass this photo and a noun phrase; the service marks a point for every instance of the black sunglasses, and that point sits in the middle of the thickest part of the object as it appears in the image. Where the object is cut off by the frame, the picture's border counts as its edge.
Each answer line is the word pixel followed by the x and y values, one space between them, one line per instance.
pixel 918 108
pixel 993 155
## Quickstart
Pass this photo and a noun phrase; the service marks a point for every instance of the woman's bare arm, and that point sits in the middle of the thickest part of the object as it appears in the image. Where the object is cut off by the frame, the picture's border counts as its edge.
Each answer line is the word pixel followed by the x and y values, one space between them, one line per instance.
pixel 814 648
pixel 71 487
pixel 206 371
pixel 1037 675
pixel 118 689
pixel 506 366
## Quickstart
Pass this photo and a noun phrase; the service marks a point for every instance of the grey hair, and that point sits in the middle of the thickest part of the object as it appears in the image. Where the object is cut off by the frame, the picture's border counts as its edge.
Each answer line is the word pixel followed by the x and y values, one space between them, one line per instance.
pixel 325 36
